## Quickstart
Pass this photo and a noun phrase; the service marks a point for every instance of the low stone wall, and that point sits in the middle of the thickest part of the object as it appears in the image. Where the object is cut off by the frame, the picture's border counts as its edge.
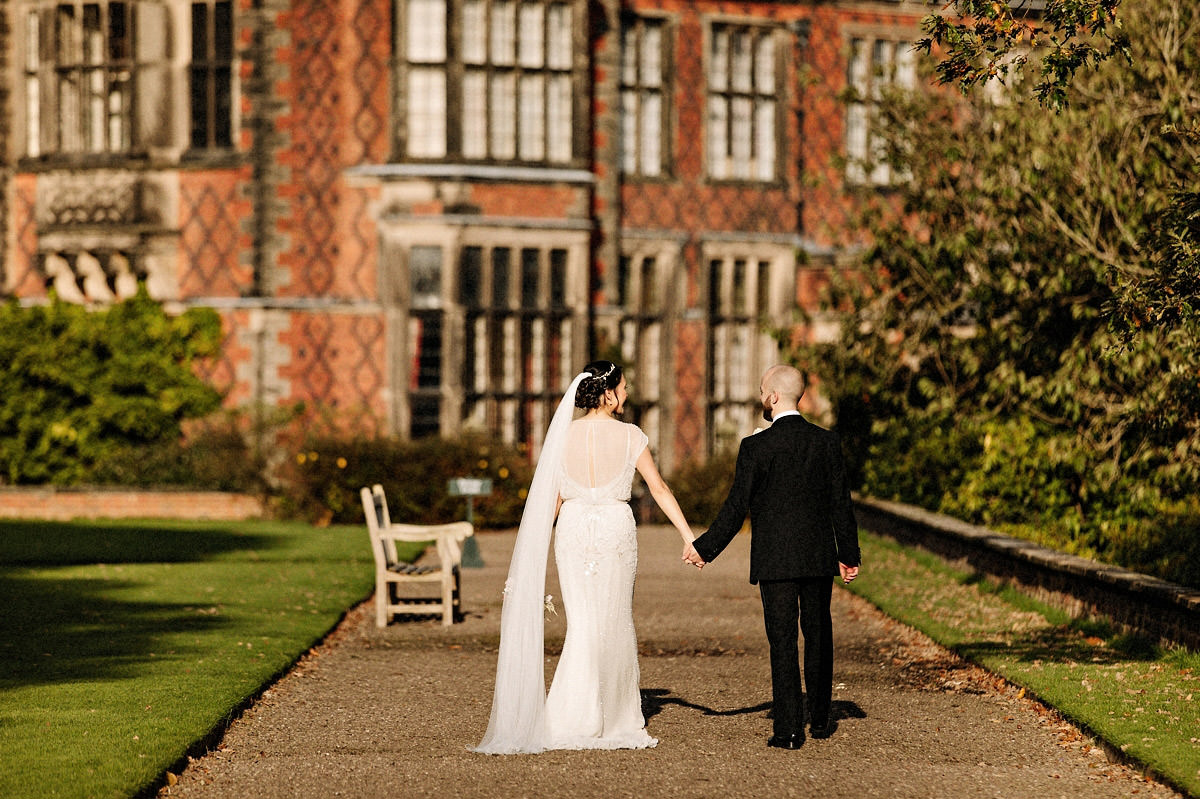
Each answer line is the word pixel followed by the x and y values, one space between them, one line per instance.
pixel 1083 588
pixel 64 504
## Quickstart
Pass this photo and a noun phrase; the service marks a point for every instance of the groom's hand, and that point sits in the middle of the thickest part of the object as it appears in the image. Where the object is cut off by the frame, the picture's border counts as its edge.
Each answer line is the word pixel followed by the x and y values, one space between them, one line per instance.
pixel 848 572
pixel 690 555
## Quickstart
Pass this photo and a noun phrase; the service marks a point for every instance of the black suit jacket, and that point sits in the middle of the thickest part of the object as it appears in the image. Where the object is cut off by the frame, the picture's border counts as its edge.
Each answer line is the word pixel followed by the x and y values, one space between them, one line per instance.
pixel 791 480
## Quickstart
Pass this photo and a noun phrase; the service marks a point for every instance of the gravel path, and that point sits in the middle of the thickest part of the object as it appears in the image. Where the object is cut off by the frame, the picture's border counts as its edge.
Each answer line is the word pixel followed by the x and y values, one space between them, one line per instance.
pixel 391 712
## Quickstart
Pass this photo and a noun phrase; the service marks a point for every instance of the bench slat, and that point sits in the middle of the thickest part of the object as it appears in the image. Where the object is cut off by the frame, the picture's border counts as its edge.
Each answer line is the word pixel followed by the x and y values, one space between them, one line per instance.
pixel 408 568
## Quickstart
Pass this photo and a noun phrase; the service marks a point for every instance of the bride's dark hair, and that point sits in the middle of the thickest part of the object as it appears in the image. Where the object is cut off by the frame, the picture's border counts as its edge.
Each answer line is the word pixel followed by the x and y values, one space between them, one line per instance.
pixel 605 375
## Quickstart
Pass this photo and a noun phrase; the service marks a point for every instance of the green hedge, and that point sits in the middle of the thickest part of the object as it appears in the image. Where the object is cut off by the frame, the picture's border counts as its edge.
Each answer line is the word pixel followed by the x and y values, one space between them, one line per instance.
pixel 1020 478
pixel 321 479
pixel 701 487
pixel 83 390
pixel 214 454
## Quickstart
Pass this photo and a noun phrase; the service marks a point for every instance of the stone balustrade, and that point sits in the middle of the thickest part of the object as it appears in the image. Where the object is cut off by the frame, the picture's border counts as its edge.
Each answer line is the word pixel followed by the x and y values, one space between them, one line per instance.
pixel 1134 602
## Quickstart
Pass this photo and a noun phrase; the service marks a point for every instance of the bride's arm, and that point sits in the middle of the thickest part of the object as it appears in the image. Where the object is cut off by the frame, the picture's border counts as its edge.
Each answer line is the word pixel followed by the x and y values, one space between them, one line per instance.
pixel 662 494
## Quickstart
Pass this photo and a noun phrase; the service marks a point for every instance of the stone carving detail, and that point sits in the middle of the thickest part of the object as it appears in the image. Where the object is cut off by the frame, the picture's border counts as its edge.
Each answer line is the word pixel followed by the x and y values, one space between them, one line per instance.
pixel 91 277
pixel 102 232
pixel 102 197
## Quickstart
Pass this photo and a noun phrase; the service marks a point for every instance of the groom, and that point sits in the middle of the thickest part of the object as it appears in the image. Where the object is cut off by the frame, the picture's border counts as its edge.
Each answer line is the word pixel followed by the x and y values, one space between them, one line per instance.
pixel 791 480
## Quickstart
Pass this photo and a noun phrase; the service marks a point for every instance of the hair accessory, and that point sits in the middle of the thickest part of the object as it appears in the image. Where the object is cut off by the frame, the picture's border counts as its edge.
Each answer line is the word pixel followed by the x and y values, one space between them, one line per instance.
pixel 605 376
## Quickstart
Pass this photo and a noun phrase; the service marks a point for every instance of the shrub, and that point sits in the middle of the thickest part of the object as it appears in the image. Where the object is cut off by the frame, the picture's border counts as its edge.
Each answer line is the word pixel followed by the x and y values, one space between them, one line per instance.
pixel 943 449
pixel 1166 545
pixel 80 387
pixel 322 478
pixel 213 455
pixel 1019 474
pixel 701 487
pixel 988 298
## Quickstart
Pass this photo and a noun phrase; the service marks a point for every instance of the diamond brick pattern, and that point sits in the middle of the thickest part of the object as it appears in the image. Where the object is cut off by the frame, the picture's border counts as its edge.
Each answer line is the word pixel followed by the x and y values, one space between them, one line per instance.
pixel 334 363
pixel 221 372
pixel 22 278
pixel 369 75
pixel 290 246
pixel 214 249
pixel 314 190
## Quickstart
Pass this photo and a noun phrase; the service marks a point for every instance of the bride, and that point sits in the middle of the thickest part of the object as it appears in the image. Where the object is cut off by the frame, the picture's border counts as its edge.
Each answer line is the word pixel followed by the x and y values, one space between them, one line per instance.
pixel 583 478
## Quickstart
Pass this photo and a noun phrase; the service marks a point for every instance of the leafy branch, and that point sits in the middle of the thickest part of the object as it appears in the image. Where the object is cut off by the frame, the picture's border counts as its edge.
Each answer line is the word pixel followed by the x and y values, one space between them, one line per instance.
pixel 992 40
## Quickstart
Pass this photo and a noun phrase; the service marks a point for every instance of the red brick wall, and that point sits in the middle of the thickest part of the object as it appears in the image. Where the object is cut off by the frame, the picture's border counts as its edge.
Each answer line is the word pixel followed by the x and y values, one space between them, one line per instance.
pixel 320 242
pixel 66 504
pixel 828 206
pixel 214 247
pixel 815 136
pixel 545 201
pixel 21 279
pixel 228 372
pixel 336 364
pixel 337 110
pixel 690 392
pixel 688 201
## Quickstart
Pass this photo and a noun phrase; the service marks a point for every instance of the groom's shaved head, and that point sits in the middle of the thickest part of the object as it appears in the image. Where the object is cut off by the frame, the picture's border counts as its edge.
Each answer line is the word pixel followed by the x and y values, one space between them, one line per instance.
pixel 787 380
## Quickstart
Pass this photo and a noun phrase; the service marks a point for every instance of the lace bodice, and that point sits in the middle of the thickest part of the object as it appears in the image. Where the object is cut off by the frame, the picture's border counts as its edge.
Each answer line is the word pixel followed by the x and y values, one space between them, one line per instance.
pixel 594 701
pixel 600 460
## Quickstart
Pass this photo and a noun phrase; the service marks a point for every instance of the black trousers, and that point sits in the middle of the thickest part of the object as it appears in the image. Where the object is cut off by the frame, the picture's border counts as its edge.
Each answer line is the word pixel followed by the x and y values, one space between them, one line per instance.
pixel 803 603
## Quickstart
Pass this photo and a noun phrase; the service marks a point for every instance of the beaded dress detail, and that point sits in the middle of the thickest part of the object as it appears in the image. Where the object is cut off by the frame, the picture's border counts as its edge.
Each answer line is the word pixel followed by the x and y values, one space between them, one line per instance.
pixel 594 701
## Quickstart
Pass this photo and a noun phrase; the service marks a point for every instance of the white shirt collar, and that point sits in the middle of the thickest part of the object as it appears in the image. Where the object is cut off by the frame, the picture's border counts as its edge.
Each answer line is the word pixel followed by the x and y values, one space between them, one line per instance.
pixel 785 413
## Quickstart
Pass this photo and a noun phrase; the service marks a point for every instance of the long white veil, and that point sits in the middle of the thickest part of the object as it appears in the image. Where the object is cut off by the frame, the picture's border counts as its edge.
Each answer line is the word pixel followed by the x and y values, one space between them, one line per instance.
pixel 517 723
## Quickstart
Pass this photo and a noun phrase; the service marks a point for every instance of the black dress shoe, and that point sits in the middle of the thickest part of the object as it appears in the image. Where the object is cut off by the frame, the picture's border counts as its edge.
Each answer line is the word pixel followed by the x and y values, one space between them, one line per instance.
pixel 793 741
pixel 822 728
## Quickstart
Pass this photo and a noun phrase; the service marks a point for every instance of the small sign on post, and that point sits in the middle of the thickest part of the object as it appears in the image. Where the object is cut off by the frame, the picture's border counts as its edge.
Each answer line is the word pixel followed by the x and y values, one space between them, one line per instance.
pixel 470 487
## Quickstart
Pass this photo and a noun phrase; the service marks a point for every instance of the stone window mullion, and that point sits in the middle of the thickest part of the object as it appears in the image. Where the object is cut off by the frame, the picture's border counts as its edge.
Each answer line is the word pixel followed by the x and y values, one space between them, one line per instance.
pixel 743 99
pixel 874 63
pixel 211 75
pixel 508 82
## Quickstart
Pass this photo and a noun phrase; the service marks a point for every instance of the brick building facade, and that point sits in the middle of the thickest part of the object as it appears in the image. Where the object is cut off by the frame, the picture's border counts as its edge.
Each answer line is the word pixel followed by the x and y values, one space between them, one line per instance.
pixel 420 215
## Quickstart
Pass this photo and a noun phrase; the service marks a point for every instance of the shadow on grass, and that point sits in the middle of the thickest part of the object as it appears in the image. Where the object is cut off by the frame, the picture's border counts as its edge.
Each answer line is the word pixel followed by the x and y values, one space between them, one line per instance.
pixel 56 628
pixel 70 630
pixel 78 543
pixel 1064 644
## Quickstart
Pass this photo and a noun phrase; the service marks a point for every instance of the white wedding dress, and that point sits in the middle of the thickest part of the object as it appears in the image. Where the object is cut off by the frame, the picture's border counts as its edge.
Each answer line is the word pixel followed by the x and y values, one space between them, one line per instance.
pixel 594 700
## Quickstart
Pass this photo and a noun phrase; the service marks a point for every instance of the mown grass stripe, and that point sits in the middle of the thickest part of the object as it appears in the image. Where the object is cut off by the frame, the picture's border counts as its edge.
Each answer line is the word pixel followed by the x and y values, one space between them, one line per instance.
pixel 124 643
pixel 1140 699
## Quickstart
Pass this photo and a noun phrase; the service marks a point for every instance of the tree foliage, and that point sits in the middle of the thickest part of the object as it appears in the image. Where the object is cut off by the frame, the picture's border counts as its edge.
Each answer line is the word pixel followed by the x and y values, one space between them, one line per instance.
pixel 1006 354
pixel 79 387
pixel 995 40
pixel 1165 292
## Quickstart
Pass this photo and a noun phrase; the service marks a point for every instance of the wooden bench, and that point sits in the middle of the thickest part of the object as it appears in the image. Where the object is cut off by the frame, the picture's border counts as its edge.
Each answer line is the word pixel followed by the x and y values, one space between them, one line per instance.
pixel 392 577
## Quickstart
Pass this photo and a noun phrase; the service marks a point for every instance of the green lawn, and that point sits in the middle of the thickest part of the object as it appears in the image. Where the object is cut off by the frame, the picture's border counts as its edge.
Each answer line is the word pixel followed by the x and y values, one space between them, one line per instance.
pixel 1143 700
pixel 124 643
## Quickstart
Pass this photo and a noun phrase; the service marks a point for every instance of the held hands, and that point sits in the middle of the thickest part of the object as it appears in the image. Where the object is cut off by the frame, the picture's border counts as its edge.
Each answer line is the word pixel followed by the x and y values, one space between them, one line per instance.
pixel 690 555
pixel 848 572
